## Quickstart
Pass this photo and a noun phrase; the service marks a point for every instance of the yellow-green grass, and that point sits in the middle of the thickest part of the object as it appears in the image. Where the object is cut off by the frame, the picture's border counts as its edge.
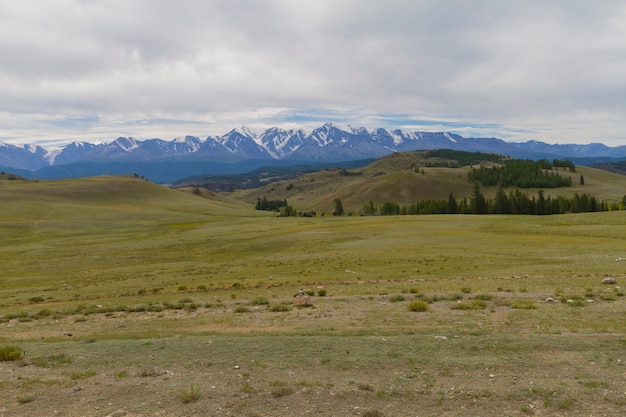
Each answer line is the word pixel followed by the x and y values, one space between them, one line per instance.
pixel 104 238
pixel 123 295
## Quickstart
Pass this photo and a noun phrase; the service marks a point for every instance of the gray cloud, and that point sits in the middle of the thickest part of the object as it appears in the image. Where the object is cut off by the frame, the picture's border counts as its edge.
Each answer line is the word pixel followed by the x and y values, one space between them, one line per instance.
pixel 535 70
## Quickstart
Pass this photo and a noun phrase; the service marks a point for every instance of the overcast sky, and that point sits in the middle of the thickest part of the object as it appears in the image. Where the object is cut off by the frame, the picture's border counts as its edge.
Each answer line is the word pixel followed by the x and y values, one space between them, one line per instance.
pixel 552 70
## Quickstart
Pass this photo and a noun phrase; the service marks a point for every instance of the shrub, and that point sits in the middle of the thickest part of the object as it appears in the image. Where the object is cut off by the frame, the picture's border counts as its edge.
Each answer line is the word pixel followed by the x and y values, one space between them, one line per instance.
pixel 466 290
pixel 189 396
pixel 10 353
pixel 419 306
pixel 396 298
pixel 259 301
pixel 36 299
pixel 280 389
pixel 241 309
pixel 26 399
pixel 322 293
pixel 484 297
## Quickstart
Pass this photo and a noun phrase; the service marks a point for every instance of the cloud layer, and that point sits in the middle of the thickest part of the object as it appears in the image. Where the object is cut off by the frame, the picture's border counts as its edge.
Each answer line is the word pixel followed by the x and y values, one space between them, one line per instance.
pixel 552 71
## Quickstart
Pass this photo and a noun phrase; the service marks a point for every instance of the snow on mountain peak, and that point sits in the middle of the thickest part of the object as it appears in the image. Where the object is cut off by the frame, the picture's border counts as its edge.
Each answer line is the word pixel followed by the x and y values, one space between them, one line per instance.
pixel 127 144
pixel 250 132
pixel 450 137
pixel 340 126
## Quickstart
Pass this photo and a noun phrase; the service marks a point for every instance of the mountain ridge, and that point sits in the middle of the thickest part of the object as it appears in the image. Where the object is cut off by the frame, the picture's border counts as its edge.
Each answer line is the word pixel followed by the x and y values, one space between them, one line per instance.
pixel 330 142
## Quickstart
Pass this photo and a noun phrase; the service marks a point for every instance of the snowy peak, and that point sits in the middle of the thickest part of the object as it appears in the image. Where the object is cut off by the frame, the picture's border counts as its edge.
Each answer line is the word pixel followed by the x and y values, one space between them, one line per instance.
pixel 126 144
pixel 331 142
pixel 184 144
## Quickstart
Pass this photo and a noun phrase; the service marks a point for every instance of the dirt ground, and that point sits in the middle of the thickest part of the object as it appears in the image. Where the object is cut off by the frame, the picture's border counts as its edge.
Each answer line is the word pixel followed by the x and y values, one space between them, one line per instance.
pixel 346 356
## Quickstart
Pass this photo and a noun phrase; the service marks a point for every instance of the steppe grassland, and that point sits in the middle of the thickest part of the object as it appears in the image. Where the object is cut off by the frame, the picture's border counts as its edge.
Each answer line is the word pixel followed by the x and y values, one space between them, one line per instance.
pixel 358 350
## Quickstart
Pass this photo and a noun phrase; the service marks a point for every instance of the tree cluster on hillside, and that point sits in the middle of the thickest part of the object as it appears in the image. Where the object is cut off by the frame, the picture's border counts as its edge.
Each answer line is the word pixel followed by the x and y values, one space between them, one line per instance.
pixel 279 206
pixel 455 159
pixel 521 173
pixel 270 205
pixel 515 202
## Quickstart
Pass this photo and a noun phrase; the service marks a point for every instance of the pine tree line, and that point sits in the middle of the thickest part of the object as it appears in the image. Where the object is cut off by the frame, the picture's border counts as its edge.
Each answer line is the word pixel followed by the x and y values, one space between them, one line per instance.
pixel 523 174
pixel 515 202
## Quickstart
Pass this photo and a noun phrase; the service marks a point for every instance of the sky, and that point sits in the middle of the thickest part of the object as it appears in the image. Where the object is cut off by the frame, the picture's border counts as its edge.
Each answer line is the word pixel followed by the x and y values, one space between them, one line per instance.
pixel 94 70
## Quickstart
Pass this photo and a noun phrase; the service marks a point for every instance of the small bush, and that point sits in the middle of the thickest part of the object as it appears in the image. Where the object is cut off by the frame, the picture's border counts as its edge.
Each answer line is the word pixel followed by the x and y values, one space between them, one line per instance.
pixel 122 374
pixel 259 301
pixel 322 293
pixel 396 298
pixel 36 299
pixel 189 396
pixel 419 306
pixel 26 399
pixel 466 290
pixel 10 353
pixel 241 309
pixel 484 297
pixel 280 389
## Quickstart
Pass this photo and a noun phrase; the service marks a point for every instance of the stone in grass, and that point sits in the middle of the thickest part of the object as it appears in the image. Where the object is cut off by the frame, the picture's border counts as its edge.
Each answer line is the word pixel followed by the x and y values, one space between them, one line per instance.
pixel 302 300
pixel 609 280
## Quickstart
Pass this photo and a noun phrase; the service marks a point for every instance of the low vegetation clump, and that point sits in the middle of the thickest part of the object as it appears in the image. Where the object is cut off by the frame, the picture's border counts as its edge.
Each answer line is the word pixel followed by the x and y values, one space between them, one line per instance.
pixel 280 389
pixel 190 395
pixel 259 301
pixel 278 308
pixel 10 353
pixel 418 306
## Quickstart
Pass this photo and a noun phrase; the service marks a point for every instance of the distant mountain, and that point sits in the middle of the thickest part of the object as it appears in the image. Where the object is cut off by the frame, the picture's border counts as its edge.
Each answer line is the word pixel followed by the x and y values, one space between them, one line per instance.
pixel 244 149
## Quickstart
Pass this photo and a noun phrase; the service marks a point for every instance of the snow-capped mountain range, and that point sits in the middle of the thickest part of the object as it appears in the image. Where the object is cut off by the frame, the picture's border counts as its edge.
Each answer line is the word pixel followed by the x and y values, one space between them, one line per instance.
pixel 328 143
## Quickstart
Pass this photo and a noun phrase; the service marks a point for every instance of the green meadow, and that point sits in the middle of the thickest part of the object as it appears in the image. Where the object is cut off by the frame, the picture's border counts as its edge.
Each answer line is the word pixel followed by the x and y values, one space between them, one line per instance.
pixel 126 298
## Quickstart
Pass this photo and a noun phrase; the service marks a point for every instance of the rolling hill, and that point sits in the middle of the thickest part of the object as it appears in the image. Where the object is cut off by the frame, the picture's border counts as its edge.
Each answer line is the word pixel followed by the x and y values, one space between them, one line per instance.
pixel 407 177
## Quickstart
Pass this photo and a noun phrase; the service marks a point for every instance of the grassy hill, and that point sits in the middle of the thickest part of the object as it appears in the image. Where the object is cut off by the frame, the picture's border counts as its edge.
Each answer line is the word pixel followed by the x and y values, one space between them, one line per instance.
pixel 408 177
